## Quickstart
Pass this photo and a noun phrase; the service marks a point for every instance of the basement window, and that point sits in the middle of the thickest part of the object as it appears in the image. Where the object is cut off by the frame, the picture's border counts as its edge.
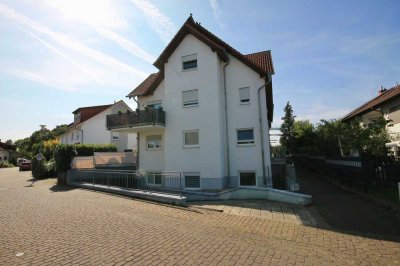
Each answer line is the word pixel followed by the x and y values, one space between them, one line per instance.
pixel 247 178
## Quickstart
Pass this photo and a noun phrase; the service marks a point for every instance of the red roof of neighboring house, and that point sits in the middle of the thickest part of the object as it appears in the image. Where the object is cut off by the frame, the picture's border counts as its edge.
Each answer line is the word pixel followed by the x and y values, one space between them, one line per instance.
pixel 260 62
pixel 90 111
pixel 374 103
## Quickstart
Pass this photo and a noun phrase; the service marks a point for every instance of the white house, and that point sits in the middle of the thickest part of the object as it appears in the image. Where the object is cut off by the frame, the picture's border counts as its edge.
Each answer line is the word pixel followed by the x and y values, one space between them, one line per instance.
pixel 386 105
pixel 206 113
pixel 89 127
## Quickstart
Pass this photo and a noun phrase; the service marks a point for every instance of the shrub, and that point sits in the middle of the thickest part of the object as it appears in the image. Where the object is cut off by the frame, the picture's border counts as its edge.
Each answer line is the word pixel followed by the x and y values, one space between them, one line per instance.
pixel 49 147
pixel 64 153
pixel 5 164
pixel 38 168
pixel 43 169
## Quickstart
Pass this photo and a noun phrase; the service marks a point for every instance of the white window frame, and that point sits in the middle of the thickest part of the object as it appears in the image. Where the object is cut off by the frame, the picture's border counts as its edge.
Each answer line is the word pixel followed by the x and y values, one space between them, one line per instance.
pixel 184 138
pixel 194 174
pixel 189 58
pixel 244 100
pixel 248 171
pixel 190 103
pixel 246 142
pixel 154 137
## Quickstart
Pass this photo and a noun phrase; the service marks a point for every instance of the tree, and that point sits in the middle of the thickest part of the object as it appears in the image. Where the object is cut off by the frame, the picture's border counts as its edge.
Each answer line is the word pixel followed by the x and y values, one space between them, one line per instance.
pixel 303 137
pixel 286 139
pixel 31 145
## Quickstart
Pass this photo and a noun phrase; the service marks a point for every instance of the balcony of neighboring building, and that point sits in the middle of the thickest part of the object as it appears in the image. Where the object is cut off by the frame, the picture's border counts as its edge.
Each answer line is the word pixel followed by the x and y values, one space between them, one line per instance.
pixel 137 121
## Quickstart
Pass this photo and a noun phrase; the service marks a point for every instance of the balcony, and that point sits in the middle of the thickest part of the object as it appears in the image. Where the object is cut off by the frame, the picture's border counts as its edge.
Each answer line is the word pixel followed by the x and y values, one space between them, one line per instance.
pixel 140 118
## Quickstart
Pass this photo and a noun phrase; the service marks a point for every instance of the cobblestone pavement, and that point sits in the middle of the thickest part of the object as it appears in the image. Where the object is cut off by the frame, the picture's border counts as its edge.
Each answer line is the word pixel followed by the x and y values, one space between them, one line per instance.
pixel 264 209
pixel 41 224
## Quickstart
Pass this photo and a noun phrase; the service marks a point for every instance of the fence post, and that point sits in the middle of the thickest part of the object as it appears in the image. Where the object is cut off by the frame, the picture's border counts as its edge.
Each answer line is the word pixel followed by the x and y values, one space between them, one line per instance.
pixel 365 180
pixel 93 180
pixel 127 180
pixel 108 181
pixel 180 184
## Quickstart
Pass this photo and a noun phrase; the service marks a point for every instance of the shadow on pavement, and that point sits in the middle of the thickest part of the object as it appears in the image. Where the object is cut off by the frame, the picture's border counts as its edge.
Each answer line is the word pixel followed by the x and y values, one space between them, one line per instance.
pixel 61 188
pixel 347 212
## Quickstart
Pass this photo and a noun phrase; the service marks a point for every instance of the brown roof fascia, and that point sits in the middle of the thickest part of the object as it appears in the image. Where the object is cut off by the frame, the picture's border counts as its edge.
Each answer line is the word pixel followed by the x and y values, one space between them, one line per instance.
pixel 215 43
pixel 374 103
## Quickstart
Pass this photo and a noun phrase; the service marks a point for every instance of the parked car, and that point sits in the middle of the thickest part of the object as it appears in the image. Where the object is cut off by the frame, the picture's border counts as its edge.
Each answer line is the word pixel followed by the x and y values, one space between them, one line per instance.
pixel 25 165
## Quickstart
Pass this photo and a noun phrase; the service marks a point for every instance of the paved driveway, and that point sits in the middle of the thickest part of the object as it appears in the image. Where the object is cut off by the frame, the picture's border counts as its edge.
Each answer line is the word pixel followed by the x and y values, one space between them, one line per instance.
pixel 45 225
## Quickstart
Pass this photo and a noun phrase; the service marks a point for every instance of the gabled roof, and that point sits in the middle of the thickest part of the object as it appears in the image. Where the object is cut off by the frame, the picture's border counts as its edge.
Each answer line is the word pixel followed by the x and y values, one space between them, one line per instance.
pixel 148 85
pixel 260 62
pixel 215 43
pixel 374 103
pixel 90 111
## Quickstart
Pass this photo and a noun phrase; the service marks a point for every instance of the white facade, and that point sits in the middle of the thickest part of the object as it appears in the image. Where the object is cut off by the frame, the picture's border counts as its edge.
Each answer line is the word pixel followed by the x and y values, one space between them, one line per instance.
pixel 209 159
pixel 94 131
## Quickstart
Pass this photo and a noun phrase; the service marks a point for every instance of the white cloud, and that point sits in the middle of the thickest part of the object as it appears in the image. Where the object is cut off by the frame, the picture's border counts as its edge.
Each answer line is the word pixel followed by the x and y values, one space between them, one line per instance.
pixel 102 16
pixel 66 41
pixel 215 6
pixel 159 22
pixel 83 68
pixel 37 78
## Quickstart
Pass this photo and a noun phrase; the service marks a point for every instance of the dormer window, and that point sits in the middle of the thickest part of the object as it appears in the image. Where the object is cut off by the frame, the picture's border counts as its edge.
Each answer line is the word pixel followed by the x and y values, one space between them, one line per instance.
pixel 77 118
pixel 189 62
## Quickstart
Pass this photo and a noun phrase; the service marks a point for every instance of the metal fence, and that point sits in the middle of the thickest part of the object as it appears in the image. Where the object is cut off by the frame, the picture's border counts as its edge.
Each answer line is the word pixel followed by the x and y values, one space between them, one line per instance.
pixel 355 171
pixel 166 182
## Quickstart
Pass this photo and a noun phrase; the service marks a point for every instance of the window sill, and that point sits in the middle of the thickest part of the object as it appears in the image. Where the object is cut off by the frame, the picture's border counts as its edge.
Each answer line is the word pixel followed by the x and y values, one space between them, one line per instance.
pixel 191 69
pixel 245 103
pixel 191 146
pixel 188 106
pixel 155 149
pixel 245 144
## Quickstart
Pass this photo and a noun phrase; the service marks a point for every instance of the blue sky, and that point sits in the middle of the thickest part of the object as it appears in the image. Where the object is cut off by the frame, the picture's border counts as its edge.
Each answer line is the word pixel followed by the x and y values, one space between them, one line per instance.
pixel 55 56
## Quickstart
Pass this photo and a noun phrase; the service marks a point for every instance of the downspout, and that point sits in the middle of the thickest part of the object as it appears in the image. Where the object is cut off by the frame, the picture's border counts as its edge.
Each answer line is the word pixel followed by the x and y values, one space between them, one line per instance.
pixel 137 141
pixel 81 135
pixel 261 129
pixel 226 120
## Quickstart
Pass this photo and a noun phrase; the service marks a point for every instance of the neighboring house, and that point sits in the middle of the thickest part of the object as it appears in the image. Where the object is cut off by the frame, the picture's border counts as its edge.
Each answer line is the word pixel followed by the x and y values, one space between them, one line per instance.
pixel 386 104
pixel 206 113
pixel 89 127
pixel 7 152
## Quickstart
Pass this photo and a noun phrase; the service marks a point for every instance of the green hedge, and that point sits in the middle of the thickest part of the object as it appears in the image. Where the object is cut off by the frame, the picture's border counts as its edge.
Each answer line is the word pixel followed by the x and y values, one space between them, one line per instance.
pixel 64 153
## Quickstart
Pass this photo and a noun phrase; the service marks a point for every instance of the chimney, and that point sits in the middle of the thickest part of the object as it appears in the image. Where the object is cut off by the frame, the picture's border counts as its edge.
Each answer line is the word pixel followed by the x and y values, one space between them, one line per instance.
pixel 381 90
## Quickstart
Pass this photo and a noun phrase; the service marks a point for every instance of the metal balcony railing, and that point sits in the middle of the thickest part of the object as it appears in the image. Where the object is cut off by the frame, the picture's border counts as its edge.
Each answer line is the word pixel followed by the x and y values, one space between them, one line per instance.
pixel 136 119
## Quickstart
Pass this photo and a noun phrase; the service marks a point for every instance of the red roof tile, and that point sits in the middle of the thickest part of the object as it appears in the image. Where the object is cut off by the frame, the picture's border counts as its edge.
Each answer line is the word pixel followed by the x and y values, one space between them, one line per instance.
pixel 89 111
pixel 147 86
pixel 263 60
pixel 374 103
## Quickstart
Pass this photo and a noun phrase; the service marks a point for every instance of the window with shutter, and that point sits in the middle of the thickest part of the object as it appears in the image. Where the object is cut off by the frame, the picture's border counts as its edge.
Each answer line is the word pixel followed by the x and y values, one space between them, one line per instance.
pixel 191 138
pixel 189 62
pixel 244 95
pixel 245 136
pixel 190 98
